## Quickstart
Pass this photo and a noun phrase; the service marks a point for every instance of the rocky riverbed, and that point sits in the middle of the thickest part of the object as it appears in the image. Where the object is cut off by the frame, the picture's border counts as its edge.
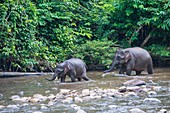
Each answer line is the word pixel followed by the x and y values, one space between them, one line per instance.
pixel 134 94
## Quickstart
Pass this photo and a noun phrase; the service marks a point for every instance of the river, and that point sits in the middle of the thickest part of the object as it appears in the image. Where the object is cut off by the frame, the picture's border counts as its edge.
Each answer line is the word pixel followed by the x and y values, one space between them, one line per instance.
pixel 27 86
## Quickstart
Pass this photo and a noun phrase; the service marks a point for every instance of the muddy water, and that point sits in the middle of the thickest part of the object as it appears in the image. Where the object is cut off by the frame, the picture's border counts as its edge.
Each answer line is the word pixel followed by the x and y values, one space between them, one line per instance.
pixel 30 85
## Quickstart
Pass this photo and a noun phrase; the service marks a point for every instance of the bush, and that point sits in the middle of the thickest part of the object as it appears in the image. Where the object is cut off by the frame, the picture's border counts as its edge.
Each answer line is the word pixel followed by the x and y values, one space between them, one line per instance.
pixel 97 54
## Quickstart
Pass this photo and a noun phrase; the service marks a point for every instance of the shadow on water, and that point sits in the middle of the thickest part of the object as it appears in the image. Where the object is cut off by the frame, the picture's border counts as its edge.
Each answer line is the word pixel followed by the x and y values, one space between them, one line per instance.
pixel 30 85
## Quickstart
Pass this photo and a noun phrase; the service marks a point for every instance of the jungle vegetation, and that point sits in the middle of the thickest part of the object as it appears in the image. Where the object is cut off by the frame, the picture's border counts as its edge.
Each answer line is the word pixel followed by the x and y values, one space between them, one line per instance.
pixel 37 34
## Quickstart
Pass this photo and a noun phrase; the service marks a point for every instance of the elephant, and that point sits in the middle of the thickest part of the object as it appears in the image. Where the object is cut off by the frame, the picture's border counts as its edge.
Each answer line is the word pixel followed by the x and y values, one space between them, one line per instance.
pixel 132 59
pixel 74 68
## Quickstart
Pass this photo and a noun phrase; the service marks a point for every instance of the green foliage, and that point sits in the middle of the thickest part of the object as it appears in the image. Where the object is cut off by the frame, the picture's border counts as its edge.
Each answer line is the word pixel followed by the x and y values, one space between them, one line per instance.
pixel 35 34
pixel 160 51
pixel 96 54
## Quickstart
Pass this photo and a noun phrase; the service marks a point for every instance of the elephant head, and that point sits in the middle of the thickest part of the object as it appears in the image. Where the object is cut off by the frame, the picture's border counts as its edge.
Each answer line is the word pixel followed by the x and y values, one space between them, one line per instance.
pixel 121 57
pixel 60 71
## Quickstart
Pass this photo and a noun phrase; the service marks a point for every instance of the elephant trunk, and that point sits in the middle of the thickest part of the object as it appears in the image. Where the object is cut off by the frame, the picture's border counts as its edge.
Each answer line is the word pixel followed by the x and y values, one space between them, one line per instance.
pixel 53 78
pixel 111 68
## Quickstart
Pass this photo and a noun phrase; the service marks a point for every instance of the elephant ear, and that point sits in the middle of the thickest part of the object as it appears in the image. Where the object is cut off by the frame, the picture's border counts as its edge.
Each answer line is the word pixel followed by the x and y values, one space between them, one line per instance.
pixel 127 56
pixel 66 69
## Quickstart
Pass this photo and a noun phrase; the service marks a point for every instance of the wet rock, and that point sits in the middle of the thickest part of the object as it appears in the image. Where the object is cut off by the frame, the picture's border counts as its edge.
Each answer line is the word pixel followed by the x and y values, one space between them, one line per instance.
pixel 134 82
pixel 64 91
pixel 78 99
pixel 162 111
pixel 34 100
pixel 54 88
pixel 122 89
pixel 51 97
pixel 14 97
pixel 151 93
pixel 136 110
pixel 85 92
pixel 21 93
pixel 87 98
pixel 48 91
pixel 37 112
pixel 131 95
pixel 80 111
pixel 22 99
pixel 40 97
pixel 151 101
pixel 50 103
pixel 74 106
pixel 1 106
pixel 134 88
pixel 68 100
pixel 157 88
pixel 44 108
pixel 13 107
pixel 113 106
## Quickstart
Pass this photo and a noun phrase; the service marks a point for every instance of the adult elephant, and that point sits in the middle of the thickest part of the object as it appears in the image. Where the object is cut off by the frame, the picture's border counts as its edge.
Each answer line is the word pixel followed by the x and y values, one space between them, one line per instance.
pixel 74 68
pixel 136 59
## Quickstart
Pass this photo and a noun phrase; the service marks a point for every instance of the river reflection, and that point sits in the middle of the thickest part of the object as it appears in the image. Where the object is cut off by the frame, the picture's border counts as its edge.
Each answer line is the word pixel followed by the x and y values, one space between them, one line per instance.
pixel 30 85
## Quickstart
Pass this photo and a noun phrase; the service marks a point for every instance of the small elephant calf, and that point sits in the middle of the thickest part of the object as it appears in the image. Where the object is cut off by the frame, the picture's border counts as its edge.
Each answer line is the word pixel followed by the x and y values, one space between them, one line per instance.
pixel 74 68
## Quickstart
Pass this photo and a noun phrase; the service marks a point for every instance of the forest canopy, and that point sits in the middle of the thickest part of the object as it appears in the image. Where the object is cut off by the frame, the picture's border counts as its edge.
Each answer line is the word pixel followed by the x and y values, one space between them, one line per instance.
pixel 37 34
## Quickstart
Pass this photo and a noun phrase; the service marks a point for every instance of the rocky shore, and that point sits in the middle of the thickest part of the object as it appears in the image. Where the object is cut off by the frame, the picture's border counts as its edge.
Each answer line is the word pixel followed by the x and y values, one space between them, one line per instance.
pixel 137 92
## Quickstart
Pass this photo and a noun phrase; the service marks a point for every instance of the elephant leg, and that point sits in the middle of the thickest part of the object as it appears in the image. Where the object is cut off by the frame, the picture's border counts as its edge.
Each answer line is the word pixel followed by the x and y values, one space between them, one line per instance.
pixel 79 79
pixel 122 70
pixel 63 78
pixel 138 72
pixel 84 75
pixel 150 68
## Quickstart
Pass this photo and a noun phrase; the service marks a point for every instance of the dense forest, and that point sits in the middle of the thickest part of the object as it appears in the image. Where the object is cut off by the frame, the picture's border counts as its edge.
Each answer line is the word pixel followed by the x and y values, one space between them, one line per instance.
pixel 37 34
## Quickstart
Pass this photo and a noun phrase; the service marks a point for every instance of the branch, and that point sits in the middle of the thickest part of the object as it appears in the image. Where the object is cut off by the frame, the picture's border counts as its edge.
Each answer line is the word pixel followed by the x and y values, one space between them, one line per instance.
pixel 130 41
pixel 147 38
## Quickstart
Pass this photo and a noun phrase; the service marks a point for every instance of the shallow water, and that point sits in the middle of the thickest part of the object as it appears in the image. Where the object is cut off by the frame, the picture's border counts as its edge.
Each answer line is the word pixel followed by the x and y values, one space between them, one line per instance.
pixel 30 85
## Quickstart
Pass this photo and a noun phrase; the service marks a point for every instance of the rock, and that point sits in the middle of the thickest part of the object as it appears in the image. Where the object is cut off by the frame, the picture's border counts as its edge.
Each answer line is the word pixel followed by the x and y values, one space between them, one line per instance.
pixel 37 112
pixel 34 100
pixel 50 103
pixel 162 111
pixel 136 110
pixel 80 111
pixel 64 91
pixel 22 99
pixel 14 97
pixel 151 101
pixel 113 106
pixel 1 106
pixel 78 99
pixel 151 93
pixel 40 97
pixel 134 82
pixel 51 97
pixel 85 92
pixel 74 106
pixel 122 89
pixel 87 98
pixel 133 88
pixel 68 100
pixel 13 107
pixel 131 94
pixel 157 88
pixel 44 108
pixel 21 93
